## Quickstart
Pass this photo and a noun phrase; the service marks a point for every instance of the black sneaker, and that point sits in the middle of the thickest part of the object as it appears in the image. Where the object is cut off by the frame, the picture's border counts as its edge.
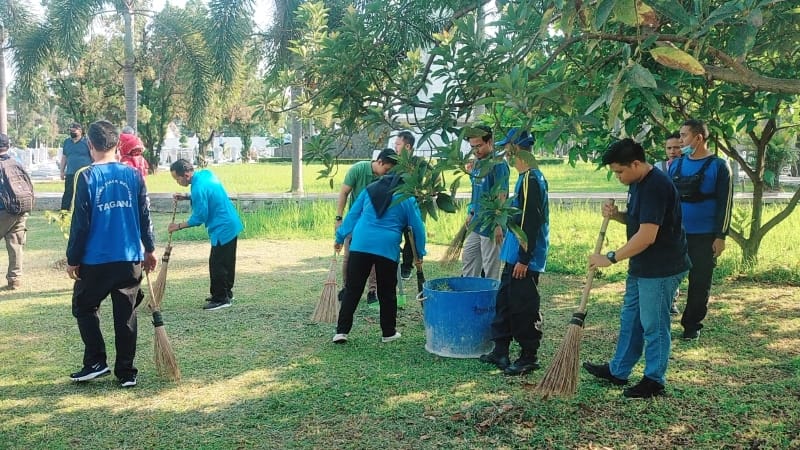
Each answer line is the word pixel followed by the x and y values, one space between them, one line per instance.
pixel 522 365
pixel 690 335
pixel 90 372
pixel 211 298
pixel 501 361
pixel 127 382
pixel 646 388
pixel 603 372
pixel 372 298
pixel 405 273
pixel 214 305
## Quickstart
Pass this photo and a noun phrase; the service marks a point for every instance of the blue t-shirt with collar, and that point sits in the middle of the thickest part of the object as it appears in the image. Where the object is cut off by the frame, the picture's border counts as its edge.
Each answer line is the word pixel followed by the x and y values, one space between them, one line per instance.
pixel 496 176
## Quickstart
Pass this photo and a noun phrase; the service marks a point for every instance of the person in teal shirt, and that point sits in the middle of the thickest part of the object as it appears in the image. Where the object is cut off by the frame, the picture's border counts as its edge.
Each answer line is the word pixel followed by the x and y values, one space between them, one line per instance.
pixel 376 222
pixel 211 207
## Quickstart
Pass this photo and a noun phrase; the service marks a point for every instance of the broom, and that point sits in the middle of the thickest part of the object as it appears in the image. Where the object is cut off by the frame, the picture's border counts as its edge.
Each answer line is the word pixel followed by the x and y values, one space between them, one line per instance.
pixel 417 261
pixel 160 285
pixel 453 252
pixel 327 310
pixel 163 355
pixel 561 378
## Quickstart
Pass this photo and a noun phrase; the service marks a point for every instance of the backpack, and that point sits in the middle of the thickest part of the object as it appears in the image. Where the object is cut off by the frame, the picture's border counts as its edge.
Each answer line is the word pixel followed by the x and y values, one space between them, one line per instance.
pixel 688 186
pixel 16 189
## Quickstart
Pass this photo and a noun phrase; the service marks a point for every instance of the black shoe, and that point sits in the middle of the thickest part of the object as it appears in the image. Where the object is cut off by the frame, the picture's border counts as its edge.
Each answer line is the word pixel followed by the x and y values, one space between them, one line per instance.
pixel 211 298
pixel 644 389
pixel 674 309
pixel 216 304
pixel 522 366
pixel 501 361
pixel 372 298
pixel 127 382
pixel 405 273
pixel 90 372
pixel 602 371
pixel 690 335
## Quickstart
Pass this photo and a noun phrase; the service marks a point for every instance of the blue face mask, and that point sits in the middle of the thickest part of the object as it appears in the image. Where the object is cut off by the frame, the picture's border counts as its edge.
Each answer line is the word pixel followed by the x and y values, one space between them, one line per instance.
pixel 688 150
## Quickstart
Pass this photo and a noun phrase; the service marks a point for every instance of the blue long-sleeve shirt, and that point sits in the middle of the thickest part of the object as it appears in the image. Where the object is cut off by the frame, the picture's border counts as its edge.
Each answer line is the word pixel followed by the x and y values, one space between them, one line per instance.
pixel 212 207
pixel 111 216
pixel 482 185
pixel 381 236
pixel 534 219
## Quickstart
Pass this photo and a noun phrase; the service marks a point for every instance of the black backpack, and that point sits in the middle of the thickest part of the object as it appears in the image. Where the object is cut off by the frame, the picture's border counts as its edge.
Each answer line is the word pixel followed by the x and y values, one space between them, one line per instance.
pixel 688 186
pixel 16 189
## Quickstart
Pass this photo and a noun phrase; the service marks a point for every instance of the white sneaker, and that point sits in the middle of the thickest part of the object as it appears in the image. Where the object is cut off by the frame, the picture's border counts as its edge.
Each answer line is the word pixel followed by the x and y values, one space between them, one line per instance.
pixel 340 338
pixel 391 338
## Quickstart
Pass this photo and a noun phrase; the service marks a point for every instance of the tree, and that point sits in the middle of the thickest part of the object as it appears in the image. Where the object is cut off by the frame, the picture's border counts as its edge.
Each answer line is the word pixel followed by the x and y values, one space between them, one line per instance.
pixel 14 16
pixel 601 70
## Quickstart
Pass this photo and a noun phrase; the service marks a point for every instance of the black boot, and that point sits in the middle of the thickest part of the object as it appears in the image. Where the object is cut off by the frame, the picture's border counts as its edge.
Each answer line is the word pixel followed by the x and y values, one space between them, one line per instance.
pixel 526 362
pixel 498 356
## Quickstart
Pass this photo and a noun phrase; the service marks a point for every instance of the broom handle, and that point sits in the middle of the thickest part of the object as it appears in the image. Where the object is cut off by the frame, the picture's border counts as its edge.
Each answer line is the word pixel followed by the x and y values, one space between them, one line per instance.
pixel 149 288
pixel 174 210
pixel 601 237
pixel 413 248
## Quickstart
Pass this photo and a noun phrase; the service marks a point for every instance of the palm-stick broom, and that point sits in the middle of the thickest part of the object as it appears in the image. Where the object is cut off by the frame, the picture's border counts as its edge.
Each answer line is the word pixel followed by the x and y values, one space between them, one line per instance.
pixel 417 261
pixel 160 286
pixel 561 378
pixel 327 310
pixel 163 354
pixel 453 252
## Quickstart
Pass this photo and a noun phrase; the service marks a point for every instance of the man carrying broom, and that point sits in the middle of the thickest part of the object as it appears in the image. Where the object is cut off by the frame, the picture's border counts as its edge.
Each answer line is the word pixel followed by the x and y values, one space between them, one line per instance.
pixel 110 243
pixel 517 313
pixel 659 261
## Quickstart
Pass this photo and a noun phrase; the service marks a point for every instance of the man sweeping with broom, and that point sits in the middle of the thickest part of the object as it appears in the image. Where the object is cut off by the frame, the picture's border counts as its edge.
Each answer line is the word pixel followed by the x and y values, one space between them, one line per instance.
pixel 659 261
pixel 110 244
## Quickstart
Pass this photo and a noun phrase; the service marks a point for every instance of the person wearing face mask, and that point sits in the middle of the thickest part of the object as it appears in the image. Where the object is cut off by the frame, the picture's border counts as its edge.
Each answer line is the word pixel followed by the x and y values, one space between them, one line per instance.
pixel 705 186
pixel 74 155
pixel 482 245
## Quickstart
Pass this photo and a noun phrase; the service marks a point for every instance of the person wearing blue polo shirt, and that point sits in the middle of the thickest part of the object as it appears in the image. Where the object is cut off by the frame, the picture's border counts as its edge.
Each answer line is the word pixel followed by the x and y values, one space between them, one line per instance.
pixel 211 207
pixel 74 156
pixel 481 253
pixel 517 315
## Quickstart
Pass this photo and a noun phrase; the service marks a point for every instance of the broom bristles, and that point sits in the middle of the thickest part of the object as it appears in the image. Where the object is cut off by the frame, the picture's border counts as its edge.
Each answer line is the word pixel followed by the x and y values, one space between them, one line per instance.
pixel 160 285
pixel 327 309
pixel 561 378
pixel 453 252
pixel 165 361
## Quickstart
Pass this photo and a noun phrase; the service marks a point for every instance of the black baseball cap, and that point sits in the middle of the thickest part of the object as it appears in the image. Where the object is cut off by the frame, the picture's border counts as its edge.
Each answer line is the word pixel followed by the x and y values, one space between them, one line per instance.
pixel 4 142
pixel 75 126
pixel 387 155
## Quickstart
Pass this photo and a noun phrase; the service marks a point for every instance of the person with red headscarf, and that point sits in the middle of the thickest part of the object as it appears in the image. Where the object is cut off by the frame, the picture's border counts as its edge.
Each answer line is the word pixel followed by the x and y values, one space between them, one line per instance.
pixel 130 153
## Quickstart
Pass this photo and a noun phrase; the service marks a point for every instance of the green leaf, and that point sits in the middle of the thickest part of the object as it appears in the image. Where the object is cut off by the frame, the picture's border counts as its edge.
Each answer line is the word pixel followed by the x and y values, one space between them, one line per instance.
pixel 672 10
pixel 742 40
pixel 445 202
pixel 676 58
pixel 625 12
pixel 523 239
pixel 603 11
pixel 641 77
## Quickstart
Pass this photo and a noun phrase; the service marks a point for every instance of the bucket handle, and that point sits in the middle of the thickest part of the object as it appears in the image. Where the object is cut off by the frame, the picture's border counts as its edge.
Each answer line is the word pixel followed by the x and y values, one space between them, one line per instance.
pixel 421 298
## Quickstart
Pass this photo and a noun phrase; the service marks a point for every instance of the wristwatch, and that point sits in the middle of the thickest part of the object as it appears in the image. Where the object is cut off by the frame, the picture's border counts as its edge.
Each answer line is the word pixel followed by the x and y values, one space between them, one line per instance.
pixel 337 218
pixel 612 256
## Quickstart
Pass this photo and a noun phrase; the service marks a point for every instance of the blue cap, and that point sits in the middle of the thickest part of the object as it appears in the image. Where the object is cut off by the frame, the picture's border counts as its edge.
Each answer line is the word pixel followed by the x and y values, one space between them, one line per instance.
pixel 517 137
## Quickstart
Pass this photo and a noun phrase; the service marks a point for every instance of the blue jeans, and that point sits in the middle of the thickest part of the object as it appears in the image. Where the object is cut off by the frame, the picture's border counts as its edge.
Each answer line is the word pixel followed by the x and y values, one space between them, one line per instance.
pixel 645 325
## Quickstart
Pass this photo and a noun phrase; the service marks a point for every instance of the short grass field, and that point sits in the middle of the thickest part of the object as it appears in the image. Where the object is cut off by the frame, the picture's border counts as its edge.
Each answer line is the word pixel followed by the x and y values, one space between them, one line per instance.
pixel 262 375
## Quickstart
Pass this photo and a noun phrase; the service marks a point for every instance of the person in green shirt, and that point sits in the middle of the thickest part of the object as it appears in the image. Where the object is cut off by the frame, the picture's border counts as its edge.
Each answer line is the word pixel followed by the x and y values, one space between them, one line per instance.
pixel 357 178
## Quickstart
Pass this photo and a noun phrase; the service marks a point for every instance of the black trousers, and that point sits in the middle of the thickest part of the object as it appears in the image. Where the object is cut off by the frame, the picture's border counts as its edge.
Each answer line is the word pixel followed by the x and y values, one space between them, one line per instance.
pixel 69 191
pixel 358 268
pixel 408 254
pixel 222 268
pixel 121 280
pixel 517 314
pixel 703 261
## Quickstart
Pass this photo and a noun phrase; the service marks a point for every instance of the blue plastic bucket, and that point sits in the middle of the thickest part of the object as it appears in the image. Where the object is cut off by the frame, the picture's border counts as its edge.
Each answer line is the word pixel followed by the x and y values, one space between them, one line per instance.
pixel 458 314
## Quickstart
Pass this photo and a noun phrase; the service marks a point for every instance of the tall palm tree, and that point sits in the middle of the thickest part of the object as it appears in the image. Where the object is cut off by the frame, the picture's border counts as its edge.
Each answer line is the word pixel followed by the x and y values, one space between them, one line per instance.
pixel 68 21
pixel 13 16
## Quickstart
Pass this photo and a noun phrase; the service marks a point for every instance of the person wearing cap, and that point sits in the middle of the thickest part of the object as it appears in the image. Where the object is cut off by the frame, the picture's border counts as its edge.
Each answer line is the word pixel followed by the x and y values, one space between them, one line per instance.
pixel 517 315
pixel 481 252
pixel 74 156
pixel 12 226
pixel 211 207
pixel 356 180
pixel 375 223
pixel 404 143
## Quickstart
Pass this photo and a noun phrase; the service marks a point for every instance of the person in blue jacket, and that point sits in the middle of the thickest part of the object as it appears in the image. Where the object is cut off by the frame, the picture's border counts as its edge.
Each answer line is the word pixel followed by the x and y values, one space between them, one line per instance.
pixel 517 315
pixel 376 222
pixel 211 207
pixel 110 243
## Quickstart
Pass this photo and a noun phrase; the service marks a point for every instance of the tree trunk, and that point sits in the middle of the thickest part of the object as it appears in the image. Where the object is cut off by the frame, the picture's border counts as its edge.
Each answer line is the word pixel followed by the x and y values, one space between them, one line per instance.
pixel 3 97
pixel 297 146
pixel 129 73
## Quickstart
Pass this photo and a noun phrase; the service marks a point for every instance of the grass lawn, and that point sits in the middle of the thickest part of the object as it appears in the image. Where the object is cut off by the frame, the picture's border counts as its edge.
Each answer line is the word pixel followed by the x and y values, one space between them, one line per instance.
pixel 261 375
